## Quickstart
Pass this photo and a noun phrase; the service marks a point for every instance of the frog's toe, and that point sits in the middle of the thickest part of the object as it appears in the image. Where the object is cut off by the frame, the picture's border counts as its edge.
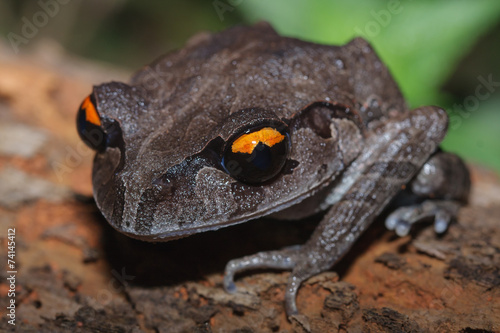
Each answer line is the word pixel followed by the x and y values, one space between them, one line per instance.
pixel 402 219
pixel 402 228
pixel 309 265
pixel 442 220
pixel 281 259
pixel 229 285
pixel 295 279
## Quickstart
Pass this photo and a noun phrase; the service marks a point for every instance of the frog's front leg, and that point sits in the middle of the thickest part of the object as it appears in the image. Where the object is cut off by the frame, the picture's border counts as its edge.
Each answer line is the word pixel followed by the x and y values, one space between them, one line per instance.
pixel 391 158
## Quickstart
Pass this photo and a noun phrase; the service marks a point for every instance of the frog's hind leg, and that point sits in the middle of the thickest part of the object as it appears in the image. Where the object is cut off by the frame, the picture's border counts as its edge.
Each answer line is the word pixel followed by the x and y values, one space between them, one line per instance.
pixel 442 186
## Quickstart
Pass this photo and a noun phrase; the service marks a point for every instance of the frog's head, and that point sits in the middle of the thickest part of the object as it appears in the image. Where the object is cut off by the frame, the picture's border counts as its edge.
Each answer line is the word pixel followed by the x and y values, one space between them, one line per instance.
pixel 205 138
pixel 156 177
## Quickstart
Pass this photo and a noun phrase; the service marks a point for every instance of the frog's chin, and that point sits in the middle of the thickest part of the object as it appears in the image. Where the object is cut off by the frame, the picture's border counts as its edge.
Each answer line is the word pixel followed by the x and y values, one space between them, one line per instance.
pixel 173 235
pixel 176 234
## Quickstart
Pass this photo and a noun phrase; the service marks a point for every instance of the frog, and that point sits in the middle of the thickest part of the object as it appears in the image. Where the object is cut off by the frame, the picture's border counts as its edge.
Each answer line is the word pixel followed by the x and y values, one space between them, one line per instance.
pixel 246 123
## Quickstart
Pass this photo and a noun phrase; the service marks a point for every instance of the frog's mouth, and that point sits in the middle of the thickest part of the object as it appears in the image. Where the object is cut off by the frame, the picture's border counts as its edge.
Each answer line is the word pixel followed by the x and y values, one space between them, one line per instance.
pixel 177 234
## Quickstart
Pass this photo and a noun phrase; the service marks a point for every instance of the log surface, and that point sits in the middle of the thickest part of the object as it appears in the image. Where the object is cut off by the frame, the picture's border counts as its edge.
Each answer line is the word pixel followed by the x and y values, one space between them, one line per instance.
pixel 76 274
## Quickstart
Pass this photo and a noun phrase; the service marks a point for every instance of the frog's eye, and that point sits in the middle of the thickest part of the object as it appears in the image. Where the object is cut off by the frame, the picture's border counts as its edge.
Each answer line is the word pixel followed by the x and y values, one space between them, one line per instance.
pixel 88 123
pixel 257 154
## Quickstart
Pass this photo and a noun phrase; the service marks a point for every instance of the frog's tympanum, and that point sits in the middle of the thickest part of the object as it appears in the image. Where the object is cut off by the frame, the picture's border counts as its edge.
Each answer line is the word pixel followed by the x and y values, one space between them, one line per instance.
pixel 246 123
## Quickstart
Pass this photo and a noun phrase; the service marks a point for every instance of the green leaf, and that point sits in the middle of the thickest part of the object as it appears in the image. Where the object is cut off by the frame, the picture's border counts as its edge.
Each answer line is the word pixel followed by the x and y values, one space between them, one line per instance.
pixel 476 134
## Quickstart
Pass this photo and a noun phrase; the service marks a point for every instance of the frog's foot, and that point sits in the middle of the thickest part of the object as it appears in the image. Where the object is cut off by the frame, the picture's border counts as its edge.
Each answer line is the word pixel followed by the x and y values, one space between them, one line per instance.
pixel 281 259
pixel 402 219
pixel 290 258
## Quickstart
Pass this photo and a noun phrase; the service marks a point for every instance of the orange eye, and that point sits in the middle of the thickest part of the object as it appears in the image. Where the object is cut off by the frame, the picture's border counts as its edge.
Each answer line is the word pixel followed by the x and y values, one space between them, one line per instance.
pixel 257 154
pixel 91 114
pixel 89 126
pixel 247 142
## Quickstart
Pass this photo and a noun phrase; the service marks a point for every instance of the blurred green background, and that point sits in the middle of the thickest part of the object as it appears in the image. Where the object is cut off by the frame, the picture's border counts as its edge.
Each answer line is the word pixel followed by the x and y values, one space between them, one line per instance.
pixel 442 52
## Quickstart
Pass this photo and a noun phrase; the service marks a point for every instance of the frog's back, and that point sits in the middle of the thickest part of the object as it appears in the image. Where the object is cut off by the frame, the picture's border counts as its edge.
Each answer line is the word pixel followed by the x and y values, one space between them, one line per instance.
pixel 247 67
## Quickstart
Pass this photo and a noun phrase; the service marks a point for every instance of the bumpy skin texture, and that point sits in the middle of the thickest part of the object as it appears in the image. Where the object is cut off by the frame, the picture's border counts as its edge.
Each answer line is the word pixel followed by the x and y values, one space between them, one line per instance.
pixel 176 106
pixel 354 143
